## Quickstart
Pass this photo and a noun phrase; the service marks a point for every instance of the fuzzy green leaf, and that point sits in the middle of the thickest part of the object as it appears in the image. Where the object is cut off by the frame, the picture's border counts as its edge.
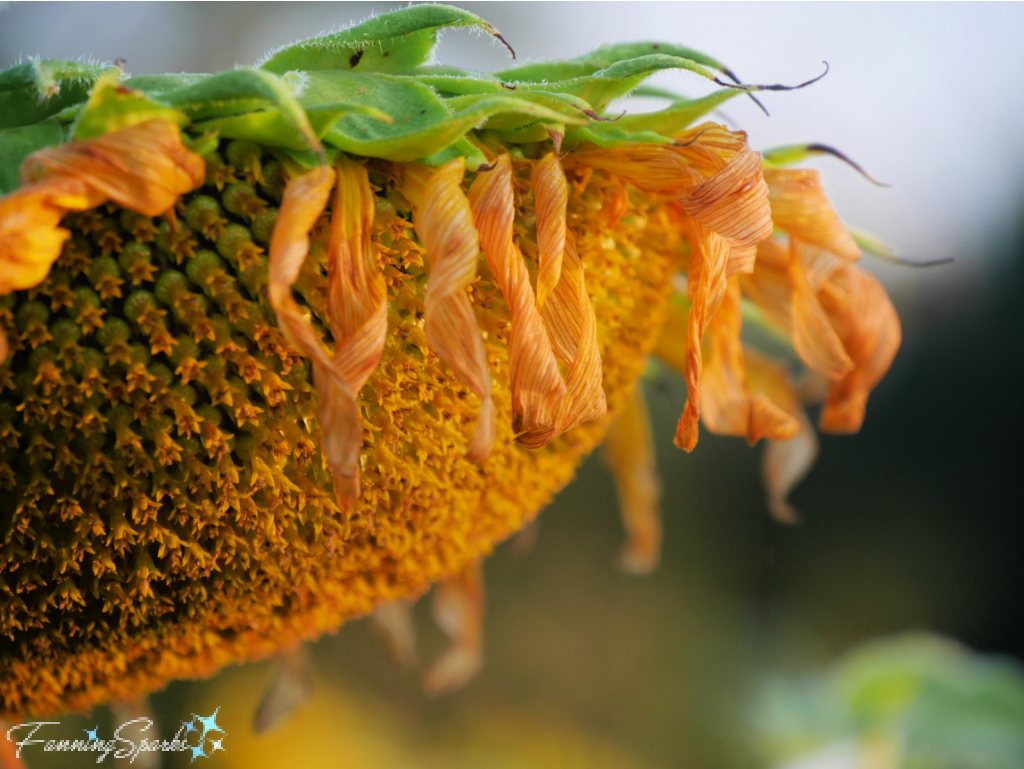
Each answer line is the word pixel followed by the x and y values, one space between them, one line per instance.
pixel 392 42
pixel 37 90
pixel 599 59
pixel 573 109
pixel 112 106
pixel 239 91
pixel 16 144
pixel 610 135
pixel 619 79
pixel 675 118
pixel 154 85
pixel 272 129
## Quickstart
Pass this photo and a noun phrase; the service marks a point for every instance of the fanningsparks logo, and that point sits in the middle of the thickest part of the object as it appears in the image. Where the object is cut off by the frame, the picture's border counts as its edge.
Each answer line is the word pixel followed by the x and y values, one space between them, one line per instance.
pixel 200 735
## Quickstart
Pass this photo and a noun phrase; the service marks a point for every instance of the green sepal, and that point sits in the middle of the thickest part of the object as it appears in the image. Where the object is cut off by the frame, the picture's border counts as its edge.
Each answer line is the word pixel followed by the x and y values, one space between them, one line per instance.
pixel 675 118
pixel 654 92
pixel 154 85
pixel 113 105
pixel 448 86
pixel 610 135
pixel 778 157
pixel 393 42
pixel 272 129
pixel 572 109
pixel 601 87
pixel 36 90
pixel 239 91
pixel 16 144
pixel 462 148
pixel 599 59
pixel 205 144
pixel 872 244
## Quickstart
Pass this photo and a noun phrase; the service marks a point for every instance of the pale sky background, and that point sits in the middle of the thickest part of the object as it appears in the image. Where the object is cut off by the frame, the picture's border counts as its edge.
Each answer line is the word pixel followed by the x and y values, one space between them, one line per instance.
pixel 925 96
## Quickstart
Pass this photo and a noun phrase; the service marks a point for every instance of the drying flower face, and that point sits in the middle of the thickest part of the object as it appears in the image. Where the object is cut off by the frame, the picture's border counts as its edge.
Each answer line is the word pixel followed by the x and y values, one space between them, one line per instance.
pixel 282 346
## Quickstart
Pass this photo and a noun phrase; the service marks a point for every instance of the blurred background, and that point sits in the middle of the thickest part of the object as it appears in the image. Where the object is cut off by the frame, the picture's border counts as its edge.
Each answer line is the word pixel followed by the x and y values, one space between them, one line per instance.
pixel 755 644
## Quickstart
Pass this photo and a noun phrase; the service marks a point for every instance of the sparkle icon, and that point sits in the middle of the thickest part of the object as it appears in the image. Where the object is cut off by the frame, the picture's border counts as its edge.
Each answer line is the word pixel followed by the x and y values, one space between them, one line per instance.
pixel 198 751
pixel 216 745
pixel 92 733
pixel 210 723
pixel 188 726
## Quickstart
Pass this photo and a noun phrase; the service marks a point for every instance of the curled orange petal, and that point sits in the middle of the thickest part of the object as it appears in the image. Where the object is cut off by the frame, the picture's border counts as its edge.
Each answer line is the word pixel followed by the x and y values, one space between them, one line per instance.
pixel 572 325
pixel 536 384
pixel 396 627
pixel 801 209
pixel 784 464
pixel 649 167
pixel 814 338
pixel 629 452
pixel 305 198
pixel 725 399
pixel 733 202
pixel 458 609
pixel 869 328
pixel 357 308
pixel 705 288
pixel 144 167
pixel 552 194
pixel 775 408
pixel 444 223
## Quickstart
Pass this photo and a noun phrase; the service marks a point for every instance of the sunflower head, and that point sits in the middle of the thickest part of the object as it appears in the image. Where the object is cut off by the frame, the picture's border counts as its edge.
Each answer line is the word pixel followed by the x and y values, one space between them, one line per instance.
pixel 283 345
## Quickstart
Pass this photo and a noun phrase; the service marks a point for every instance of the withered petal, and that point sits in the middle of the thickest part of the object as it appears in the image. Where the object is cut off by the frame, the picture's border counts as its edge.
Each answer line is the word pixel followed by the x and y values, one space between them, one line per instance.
pixel 536 384
pixel 629 452
pixel 444 223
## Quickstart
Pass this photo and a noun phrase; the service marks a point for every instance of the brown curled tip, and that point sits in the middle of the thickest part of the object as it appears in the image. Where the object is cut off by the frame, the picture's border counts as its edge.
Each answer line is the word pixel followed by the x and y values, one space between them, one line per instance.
pixel 776 86
pixel 504 42
pixel 594 116
pixel 730 74
pixel 826 150
pixel 687 144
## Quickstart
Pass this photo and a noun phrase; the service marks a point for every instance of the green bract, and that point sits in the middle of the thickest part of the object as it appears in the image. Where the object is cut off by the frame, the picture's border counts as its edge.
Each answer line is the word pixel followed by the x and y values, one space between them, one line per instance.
pixel 367 90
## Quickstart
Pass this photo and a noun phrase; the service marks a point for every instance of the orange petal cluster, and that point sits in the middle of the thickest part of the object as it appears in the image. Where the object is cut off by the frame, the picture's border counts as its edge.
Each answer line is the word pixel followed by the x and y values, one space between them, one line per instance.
pixel 144 168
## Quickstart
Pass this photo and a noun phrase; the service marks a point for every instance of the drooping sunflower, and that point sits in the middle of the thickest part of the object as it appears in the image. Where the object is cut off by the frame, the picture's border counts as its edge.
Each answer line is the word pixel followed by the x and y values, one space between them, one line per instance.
pixel 284 345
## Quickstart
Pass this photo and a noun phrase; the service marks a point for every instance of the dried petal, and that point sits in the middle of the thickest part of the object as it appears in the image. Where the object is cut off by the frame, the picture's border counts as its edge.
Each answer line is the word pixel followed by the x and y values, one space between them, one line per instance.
pixel 705 287
pixel 629 451
pixel 290 686
pixel 458 609
pixel 572 324
pixel 801 208
pixel 814 338
pixel 649 167
pixel 393 622
pixel 305 198
pixel 775 408
pixel 867 324
pixel 725 400
pixel 357 308
pixel 733 202
pixel 784 465
pixel 537 386
pixel 144 167
pixel 444 223
pixel 552 194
